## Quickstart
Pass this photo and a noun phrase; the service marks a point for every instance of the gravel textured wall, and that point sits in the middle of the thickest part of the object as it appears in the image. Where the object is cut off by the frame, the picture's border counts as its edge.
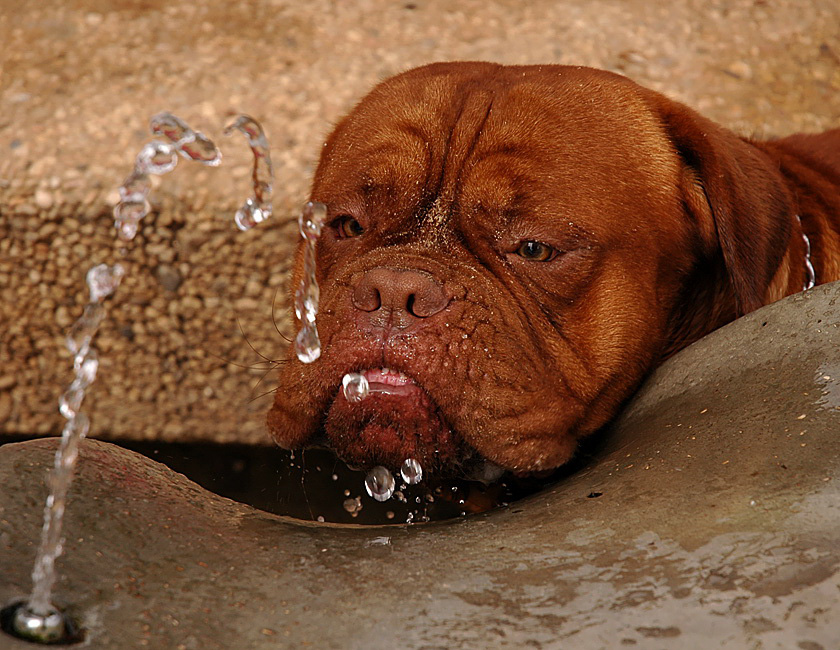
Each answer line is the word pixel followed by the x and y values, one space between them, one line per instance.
pixel 80 79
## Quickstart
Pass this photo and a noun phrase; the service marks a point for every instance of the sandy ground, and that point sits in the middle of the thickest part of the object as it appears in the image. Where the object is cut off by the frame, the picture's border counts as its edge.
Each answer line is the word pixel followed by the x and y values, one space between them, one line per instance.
pixel 79 81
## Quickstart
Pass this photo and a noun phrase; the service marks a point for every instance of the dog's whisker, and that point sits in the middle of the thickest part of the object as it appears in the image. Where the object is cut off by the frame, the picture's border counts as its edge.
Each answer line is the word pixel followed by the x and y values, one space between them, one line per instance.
pixel 257 352
pixel 254 366
pixel 274 319
pixel 261 379
pixel 261 395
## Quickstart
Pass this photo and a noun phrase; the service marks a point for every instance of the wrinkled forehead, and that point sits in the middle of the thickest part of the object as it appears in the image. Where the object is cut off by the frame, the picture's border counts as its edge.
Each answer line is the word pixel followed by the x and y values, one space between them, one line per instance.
pixel 563 142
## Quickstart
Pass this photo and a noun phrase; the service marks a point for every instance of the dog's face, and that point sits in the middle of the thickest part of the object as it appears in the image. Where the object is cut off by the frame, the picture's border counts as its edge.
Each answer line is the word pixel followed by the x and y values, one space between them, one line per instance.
pixel 507 250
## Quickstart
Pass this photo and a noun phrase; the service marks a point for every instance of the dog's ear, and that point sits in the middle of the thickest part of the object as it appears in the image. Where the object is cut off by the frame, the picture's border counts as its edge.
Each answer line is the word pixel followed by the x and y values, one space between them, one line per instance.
pixel 736 194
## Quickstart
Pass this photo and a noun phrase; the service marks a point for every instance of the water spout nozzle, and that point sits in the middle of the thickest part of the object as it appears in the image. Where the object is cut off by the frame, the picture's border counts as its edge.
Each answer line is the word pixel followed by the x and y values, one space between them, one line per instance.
pixel 53 627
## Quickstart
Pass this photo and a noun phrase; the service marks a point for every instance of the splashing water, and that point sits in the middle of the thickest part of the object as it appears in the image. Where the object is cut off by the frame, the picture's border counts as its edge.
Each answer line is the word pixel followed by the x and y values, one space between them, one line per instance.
pixel 307 342
pixel 39 619
pixel 353 506
pixel 380 483
pixel 192 145
pixel 159 158
pixel 411 471
pixel 257 208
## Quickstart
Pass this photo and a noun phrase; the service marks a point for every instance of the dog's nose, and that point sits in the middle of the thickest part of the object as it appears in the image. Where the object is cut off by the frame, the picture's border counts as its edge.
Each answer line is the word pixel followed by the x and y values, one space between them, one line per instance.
pixel 398 297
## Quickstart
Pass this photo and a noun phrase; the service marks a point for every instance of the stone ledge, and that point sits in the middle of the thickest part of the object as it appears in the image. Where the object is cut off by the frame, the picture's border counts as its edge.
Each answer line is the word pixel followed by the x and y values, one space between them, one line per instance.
pixel 716 526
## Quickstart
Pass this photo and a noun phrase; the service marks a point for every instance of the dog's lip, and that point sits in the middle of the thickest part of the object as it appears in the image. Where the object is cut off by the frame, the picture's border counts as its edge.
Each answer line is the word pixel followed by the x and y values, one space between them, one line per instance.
pixel 386 381
pixel 390 382
pixel 398 419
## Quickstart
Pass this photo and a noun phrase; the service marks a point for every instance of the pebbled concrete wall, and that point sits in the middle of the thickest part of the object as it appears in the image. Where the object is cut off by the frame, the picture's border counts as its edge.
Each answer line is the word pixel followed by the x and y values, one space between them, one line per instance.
pixel 79 80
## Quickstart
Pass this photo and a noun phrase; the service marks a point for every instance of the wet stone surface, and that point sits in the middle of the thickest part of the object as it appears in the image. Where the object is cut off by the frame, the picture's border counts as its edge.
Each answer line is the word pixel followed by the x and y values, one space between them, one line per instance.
pixel 709 519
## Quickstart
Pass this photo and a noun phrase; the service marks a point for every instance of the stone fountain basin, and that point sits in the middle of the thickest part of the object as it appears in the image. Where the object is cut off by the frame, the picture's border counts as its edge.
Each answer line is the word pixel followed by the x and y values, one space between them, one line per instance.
pixel 710 519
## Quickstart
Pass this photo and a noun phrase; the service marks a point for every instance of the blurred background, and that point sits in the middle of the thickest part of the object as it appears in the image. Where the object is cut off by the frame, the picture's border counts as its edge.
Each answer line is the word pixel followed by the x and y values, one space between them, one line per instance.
pixel 186 332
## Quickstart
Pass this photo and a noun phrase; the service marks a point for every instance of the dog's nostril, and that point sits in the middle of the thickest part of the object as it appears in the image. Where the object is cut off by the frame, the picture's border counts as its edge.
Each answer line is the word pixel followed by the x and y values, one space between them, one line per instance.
pixel 410 292
pixel 366 297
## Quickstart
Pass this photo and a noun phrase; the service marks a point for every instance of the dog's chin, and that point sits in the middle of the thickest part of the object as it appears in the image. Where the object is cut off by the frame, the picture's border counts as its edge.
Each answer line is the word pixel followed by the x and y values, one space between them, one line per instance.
pixel 396 421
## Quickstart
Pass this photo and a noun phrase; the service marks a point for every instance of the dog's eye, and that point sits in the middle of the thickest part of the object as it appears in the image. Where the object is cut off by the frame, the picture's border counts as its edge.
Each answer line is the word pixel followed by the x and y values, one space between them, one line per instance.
pixel 536 251
pixel 347 226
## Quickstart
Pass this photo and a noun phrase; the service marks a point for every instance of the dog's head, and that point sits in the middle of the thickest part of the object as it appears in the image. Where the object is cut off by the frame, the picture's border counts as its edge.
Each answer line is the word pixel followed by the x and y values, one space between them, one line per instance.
pixel 510 250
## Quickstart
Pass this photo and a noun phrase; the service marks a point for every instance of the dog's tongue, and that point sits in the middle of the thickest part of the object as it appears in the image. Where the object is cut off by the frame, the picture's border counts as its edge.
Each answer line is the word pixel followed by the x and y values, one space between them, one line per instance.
pixel 397 420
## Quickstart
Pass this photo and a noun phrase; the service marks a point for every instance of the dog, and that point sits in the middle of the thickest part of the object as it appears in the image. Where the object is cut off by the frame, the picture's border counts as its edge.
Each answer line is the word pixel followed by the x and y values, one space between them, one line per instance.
pixel 512 249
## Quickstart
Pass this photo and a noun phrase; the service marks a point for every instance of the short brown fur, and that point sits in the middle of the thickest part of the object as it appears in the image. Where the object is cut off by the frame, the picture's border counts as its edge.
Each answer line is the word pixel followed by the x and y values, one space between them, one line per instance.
pixel 667 226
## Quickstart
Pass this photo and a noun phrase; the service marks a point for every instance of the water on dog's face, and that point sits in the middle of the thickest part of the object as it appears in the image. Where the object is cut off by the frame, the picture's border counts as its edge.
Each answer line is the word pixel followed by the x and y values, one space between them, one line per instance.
pixel 307 296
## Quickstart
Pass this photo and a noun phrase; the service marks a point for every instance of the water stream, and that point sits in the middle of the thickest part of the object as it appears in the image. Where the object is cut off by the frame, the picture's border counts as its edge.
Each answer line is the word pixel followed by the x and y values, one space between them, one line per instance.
pixel 307 342
pixel 38 619
pixel 257 208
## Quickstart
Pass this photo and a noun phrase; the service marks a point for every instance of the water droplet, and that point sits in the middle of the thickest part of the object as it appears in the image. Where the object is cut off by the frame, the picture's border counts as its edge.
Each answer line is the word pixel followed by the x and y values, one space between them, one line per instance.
pixel 248 125
pixel 156 158
pixel 379 483
pixel 307 344
pixel 353 506
pixel 250 214
pixel 307 298
pixel 103 280
pixel 86 367
pixel 172 127
pixel 411 471
pixel 78 339
pixel 136 187
pixel 245 217
pixel 355 387
pixel 77 427
pixel 263 174
pixel 312 220
pixel 71 400
pixel 201 149
pixel 127 230
pixel 307 295
pixel 131 210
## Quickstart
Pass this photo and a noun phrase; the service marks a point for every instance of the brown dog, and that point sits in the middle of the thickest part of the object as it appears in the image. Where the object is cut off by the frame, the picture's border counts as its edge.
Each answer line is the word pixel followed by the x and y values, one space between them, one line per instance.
pixel 511 249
